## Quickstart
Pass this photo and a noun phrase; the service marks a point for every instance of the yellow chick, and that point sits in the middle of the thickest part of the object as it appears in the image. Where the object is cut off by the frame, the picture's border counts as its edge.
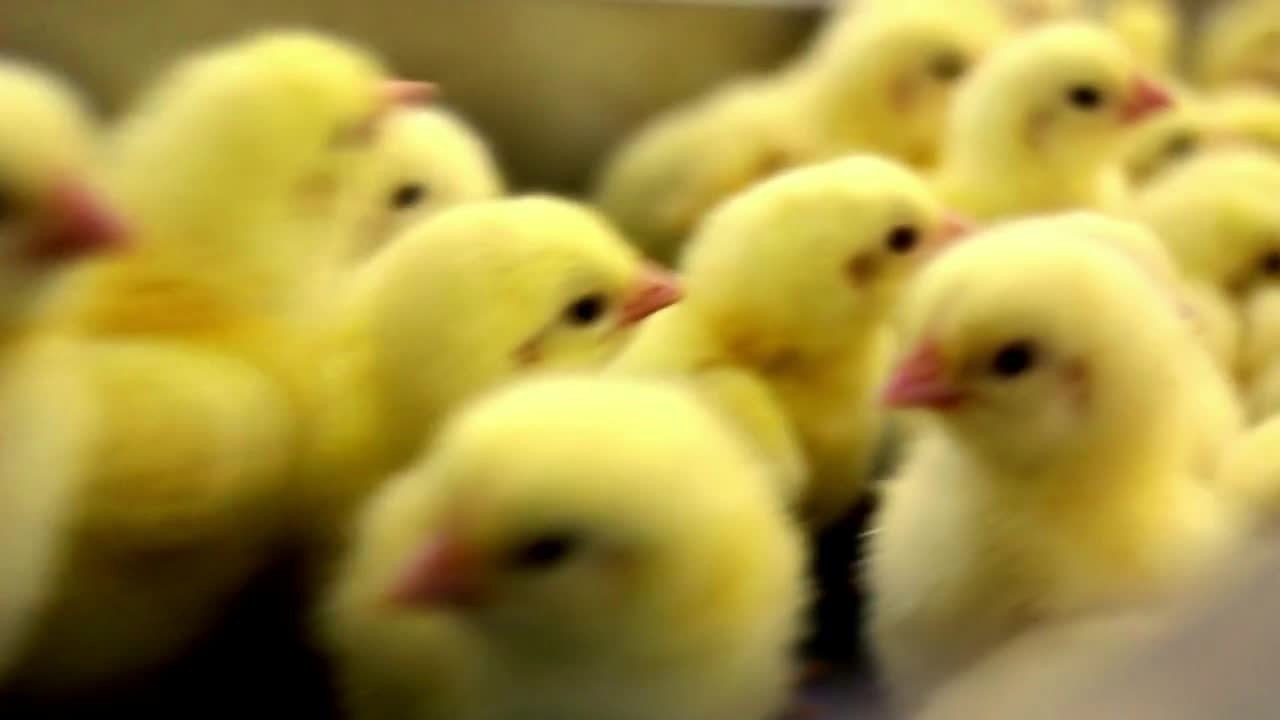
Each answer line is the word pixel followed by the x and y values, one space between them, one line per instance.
pixel 1036 127
pixel 425 160
pixel 794 281
pixel 1151 28
pixel 465 301
pixel 876 81
pixel 1029 13
pixel 1260 353
pixel 1250 117
pixel 49 216
pixel 541 563
pixel 1240 46
pixel 223 175
pixel 1055 478
pixel 1165 140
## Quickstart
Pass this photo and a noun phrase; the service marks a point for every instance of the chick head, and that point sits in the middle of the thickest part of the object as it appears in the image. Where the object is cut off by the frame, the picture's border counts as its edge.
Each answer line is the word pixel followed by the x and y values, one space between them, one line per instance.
pixel 807 261
pixel 537 522
pixel 1240 45
pixel 1063 94
pixel 896 68
pixel 424 160
pixel 49 209
pixel 1028 13
pixel 1220 219
pixel 1034 346
pixel 488 289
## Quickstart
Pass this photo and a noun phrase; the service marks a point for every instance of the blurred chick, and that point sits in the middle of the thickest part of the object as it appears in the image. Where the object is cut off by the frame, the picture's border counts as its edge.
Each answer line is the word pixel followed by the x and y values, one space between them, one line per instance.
pixel 1260 353
pixel 425 160
pixel 1055 480
pixel 879 80
pixel 1249 117
pixel 794 282
pixel 1240 46
pixel 225 174
pixel 465 301
pixel 49 216
pixel 1036 126
pixel 1029 13
pixel 1167 139
pixel 540 564
pixel 1151 28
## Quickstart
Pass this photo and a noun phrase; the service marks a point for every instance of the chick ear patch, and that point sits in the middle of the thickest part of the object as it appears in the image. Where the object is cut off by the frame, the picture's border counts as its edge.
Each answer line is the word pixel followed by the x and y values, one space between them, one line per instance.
pixel 1037 128
pixel 863 267
pixel 904 92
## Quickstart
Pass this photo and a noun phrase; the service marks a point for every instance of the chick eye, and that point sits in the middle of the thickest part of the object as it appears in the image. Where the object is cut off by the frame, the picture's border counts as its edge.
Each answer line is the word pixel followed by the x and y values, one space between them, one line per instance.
pixel 1085 97
pixel 902 239
pixel 586 309
pixel 1182 146
pixel 408 195
pixel 1271 263
pixel 545 551
pixel 1014 359
pixel 948 67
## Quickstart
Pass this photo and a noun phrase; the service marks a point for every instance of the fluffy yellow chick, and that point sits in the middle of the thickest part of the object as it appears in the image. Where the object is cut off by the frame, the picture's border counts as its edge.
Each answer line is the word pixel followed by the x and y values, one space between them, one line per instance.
pixel 425 160
pixel 877 81
pixel 1240 45
pixel 794 282
pixel 1036 126
pixel 1168 138
pixel 1250 117
pixel 538 563
pixel 1260 353
pixel 467 300
pixel 1151 28
pixel 1055 478
pixel 224 173
pixel 49 215
pixel 1029 13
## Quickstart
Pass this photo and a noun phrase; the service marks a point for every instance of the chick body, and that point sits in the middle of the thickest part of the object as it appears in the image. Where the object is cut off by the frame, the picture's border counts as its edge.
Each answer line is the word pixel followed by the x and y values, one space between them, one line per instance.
pixel 619 577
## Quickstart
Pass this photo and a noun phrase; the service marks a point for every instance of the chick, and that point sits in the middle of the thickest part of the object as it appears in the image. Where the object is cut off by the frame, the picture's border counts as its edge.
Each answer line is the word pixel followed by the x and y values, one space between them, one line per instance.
pixel 1240 46
pixel 1029 13
pixel 1251 471
pixel 794 282
pixel 879 80
pixel 1260 353
pixel 1168 138
pixel 540 564
pixel 221 175
pixel 1151 28
pixel 49 216
pixel 425 160
pixel 1249 117
pixel 467 300
pixel 1036 127
pixel 1055 478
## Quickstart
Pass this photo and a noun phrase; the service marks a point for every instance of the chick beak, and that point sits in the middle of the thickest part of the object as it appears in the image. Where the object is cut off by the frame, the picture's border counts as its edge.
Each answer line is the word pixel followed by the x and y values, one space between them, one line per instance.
pixel 78 223
pixel 657 288
pixel 444 574
pixel 920 382
pixel 407 93
pixel 954 227
pixel 1146 98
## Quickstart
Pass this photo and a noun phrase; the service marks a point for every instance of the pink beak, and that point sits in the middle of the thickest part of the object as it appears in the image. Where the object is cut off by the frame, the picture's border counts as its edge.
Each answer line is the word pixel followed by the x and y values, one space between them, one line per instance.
pixel 80 223
pixel 955 227
pixel 442 574
pixel 396 93
pixel 920 382
pixel 658 288
pixel 1145 99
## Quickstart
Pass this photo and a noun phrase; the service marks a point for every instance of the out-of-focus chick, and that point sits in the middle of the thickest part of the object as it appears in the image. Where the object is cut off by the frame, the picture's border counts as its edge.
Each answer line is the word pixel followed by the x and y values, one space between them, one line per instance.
pixel 1036 127
pixel 1260 353
pixel 230 167
pixel 879 80
pixel 538 563
pixel 1218 215
pixel 1056 479
pixel 1250 117
pixel 425 160
pixel 1252 471
pixel 1240 46
pixel 467 300
pixel 1029 13
pixel 49 215
pixel 1151 28
pixel 226 173
pixel 1167 139
pixel 794 281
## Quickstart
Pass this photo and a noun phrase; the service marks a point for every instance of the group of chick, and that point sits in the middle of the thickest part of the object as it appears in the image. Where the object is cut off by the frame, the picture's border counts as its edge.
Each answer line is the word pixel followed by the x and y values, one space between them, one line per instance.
pixel 282 306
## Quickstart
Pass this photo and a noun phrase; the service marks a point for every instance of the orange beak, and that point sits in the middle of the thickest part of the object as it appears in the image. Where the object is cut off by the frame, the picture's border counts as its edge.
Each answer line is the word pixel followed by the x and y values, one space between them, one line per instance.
pixel 400 93
pixel 444 573
pixel 955 227
pixel 1145 99
pixel 79 223
pixel 658 288
pixel 920 382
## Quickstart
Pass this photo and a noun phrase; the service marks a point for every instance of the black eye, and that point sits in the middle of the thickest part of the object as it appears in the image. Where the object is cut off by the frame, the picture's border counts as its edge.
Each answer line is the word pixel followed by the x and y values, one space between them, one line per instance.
pixel 902 239
pixel 1182 146
pixel 545 551
pixel 1271 263
pixel 948 67
pixel 586 310
pixel 1014 359
pixel 408 195
pixel 1085 97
